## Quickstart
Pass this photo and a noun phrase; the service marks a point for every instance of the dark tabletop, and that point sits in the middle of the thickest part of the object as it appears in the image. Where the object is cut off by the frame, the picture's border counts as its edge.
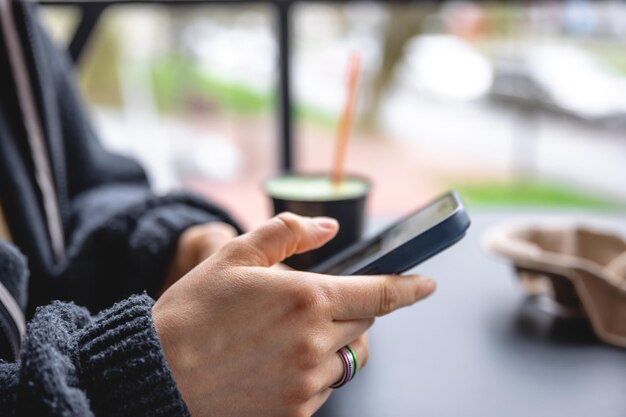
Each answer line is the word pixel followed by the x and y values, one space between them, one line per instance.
pixel 479 348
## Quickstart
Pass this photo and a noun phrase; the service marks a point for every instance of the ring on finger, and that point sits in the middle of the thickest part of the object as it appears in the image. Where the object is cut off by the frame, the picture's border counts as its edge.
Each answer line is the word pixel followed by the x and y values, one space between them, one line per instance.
pixel 350 366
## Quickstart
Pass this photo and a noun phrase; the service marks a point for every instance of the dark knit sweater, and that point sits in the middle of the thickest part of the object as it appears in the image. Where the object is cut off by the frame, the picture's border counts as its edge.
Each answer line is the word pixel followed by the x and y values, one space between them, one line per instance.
pixel 119 238
pixel 73 364
pixel 118 234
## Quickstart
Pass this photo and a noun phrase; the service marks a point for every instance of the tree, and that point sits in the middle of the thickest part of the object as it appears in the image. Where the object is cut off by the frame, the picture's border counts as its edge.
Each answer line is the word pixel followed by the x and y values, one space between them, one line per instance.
pixel 403 23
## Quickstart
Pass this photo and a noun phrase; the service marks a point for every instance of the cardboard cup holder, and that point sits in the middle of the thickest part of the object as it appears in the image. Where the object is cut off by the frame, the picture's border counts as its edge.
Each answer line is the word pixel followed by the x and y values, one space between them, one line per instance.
pixel 582 268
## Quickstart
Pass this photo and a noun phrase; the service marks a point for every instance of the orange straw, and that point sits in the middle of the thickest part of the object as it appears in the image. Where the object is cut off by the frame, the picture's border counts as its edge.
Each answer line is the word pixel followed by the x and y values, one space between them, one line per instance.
pixel 343 132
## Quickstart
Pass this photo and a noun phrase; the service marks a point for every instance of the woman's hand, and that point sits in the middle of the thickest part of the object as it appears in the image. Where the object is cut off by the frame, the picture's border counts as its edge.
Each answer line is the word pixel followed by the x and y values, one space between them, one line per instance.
pixel 243 339
pixel 195 245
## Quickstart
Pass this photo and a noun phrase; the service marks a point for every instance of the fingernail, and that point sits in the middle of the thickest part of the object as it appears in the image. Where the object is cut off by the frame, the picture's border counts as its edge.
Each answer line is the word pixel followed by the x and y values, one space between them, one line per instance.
pixel 430 284
pixel 327 223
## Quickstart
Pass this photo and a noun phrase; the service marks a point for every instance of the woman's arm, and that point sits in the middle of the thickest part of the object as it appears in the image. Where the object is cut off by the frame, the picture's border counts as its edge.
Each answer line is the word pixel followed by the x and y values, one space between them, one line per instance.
pixel 121 238
pixel 240 338
pixel 73 364
pixel 125 241
pixel 69 363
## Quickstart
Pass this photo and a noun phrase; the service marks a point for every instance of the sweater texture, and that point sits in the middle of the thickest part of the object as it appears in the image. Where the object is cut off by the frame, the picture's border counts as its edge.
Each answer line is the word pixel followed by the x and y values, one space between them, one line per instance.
pixel 73 364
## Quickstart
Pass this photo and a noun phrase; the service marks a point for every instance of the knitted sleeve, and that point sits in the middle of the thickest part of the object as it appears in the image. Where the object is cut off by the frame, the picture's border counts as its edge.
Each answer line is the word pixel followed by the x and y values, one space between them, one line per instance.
pixel 122 241
pixel 73 364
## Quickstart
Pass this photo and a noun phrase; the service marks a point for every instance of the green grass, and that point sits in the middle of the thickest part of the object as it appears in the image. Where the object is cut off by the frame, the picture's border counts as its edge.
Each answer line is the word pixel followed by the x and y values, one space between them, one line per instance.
pixel 610 53
pixel 176 79
pixel 316 116
pixel 534 194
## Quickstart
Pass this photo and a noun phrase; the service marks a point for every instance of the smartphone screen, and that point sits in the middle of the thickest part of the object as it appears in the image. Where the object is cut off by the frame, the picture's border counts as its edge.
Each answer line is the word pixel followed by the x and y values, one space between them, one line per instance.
pixel 393 237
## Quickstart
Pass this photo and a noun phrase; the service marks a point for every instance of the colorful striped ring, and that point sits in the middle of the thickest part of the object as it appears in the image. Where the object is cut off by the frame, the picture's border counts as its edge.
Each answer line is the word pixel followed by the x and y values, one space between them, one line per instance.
pixel 356 363
pixel 350 365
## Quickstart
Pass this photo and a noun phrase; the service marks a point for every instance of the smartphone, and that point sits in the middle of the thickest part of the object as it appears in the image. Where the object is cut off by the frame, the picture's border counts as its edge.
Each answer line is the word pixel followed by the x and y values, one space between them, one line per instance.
pixel 407 243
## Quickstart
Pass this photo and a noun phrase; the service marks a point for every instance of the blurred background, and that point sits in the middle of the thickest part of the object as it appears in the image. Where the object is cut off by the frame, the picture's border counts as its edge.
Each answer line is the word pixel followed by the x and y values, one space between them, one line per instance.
pixel 513 103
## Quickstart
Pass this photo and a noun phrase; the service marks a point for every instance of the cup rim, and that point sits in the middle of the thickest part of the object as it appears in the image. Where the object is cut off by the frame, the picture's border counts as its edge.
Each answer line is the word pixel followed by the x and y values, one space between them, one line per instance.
pixel 364 194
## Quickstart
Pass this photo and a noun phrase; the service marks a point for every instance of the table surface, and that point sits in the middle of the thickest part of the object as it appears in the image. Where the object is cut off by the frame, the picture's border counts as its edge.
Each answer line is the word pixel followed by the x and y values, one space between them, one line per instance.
pixel 478 348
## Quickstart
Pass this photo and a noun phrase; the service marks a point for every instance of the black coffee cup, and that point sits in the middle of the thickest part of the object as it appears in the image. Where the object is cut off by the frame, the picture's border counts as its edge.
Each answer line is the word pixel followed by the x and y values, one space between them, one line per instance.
pixel 314 195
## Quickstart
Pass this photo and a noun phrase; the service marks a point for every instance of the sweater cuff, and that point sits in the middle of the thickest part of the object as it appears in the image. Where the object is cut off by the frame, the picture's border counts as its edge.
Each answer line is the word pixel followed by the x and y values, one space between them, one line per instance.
pixel 155 236
pixel 123 366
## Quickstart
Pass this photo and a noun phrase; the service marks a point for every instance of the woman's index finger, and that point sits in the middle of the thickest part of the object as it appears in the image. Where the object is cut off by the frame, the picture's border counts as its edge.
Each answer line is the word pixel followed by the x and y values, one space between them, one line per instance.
pixel 358 297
